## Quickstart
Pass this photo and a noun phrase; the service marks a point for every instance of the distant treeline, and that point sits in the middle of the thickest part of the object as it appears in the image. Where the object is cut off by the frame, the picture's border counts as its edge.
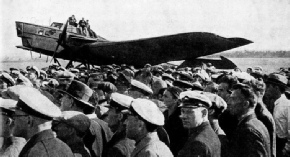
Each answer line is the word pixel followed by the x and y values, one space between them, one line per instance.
pixel 253 54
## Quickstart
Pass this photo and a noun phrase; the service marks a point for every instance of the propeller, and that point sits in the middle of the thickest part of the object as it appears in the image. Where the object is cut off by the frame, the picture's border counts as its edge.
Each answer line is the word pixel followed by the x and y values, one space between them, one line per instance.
pixel 60 40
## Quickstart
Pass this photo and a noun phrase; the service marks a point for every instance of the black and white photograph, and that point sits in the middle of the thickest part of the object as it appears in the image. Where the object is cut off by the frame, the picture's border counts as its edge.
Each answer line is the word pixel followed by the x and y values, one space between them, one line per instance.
pixel 145 78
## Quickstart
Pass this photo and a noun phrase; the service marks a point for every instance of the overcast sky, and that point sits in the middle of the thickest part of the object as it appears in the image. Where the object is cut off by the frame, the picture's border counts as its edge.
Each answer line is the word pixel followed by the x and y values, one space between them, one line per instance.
pixel 265 22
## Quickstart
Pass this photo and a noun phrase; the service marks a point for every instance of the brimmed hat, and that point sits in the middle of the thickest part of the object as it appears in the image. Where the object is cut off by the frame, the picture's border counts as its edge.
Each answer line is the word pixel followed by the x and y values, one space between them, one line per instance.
pixel 32 102
pixel 149 111
pixel 64 74
pixel 7 107
pixel 217 101
pixel 35 69
pixel 7 78
pixel 120 101
pixel 194 99
pixel 141 86
pixel 167 76
pixel 80 92
pixel 277 79
pixel 182 84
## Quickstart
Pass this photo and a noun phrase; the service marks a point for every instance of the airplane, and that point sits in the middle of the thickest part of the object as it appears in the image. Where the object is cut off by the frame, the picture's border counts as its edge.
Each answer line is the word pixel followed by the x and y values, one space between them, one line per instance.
pixel 65 41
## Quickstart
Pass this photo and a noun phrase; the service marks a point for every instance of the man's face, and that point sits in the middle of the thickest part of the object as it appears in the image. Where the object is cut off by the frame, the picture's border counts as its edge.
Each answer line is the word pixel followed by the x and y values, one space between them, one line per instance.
pixel 133 126
pixel 168 99
pixel 64 83
pixel 113 118
pixel 191 117
pixel 223 91
pixel 236 102
pixel 21 127
pixel 32 74
pixel 271 90
pixel 66 103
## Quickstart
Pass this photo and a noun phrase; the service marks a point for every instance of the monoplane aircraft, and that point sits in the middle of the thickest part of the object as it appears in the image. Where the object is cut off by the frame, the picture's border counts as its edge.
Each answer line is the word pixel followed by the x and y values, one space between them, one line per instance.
pixel 68 42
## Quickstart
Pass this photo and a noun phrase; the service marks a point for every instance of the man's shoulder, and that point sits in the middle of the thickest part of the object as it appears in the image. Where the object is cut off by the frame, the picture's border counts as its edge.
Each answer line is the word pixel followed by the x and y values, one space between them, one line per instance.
pixel 48 147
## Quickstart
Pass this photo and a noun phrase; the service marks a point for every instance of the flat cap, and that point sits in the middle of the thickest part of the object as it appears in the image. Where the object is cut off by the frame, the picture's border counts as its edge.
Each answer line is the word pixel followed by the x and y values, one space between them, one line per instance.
pixel 194 99
pixel 75 119
pixel 277 79
pixel 7 106
pixel 32 102
pixel 217 101
pixel 141 86
pixel 120 101
pixel 149 111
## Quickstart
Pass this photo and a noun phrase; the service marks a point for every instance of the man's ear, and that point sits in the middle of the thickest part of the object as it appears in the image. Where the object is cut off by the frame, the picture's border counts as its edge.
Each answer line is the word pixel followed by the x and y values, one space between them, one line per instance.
pixel 204 112
pixel 120 116
pixel 30 121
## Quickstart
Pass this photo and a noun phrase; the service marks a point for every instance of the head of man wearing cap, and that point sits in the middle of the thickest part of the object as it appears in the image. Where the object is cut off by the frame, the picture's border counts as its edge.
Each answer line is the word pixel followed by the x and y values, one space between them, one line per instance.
pixel 276 85
pixel 139 90
pixel 115 117
pixel 144 118
pixel 194 109
pixel 71 126
pixel 243 100
pixel 7 109
pixel 64 79
pixel 170 98
pixel 76 98
pixel 5 81
pixel 34 113
pixel 33 73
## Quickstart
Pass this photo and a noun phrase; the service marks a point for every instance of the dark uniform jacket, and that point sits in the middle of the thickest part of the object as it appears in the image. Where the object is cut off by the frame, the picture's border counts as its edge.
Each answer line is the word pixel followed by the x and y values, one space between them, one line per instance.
pixel 119 145
pixel 151 146
pixel 45 144
pixel 264 115
pixel 202 142
pixel 98 137
pixel 12 146
pixel 251 138
pixel 175 130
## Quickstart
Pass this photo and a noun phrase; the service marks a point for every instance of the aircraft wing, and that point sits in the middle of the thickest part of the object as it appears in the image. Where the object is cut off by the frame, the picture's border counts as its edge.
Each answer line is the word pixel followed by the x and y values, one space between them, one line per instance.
pixel 222 63
pixel 158 50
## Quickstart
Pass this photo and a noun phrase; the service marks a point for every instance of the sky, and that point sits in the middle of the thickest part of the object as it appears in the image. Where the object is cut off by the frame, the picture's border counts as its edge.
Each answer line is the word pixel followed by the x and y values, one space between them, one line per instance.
pixel 265 22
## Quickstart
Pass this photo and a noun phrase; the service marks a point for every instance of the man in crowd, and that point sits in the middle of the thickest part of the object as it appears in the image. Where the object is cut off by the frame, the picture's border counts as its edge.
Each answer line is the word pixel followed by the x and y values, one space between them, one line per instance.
pixel 76 98
pixel 119 145
pixel 202 140
pixel 9 144
pixel 251 137
pixel 276 86
pixel 33 74
pixel 71 127
pixel 34 114
pixel 142 123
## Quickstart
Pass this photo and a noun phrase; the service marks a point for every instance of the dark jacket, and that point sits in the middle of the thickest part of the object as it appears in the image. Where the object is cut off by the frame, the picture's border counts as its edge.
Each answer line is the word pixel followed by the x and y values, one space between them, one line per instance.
pixel 175 130
pixel 45 144
pixel 202 142
pixel 251 138
pixel 119 145
pixel 264 115
pixel 98 137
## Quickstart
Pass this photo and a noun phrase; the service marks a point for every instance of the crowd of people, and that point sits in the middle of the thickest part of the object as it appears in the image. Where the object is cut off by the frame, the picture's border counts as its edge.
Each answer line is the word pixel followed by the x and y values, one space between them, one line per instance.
pixel 117 110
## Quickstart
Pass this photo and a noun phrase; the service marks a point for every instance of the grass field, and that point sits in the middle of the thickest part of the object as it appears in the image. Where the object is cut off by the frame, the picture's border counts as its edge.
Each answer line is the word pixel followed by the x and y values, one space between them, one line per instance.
pixel 268 64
